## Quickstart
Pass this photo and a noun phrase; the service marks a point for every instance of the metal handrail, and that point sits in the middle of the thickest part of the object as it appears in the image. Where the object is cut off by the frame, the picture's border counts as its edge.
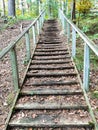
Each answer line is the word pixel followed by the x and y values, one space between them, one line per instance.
pixel 38 22
pixel 68 26
pixel 11 45
pixel 88 44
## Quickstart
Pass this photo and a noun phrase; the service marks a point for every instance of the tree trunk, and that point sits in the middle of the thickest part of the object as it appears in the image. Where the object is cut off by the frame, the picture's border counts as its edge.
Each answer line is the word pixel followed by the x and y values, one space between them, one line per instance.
pixel 74 11
pixel 3 2
pixel 11 8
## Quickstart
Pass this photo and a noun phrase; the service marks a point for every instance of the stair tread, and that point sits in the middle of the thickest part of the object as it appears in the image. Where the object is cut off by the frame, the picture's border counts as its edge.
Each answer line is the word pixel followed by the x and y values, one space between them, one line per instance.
pixel 50 68
pixel 51 92
pixel 52 102
pixel 50 54
pixel 50 74
pixel 49 106
pixel 49 50
pixel 42 118
pixel 51 62
pixel 71 82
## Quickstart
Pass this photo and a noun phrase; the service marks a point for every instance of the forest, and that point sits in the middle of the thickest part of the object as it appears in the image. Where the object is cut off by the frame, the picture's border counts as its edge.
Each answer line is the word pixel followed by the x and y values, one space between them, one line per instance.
pixel 22 26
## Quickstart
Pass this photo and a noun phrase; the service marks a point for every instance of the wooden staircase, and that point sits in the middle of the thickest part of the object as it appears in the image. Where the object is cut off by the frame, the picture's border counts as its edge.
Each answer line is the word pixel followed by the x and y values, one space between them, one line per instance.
pixel 51 97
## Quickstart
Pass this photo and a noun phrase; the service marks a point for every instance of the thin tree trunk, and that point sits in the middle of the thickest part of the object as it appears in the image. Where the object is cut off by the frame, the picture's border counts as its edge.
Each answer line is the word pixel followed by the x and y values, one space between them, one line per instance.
pixel 11 8
pixel 3 2
pixel 74 11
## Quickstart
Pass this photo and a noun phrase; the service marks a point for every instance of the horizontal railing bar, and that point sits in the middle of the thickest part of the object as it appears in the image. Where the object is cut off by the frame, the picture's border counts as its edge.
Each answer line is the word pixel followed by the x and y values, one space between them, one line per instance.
pixel 90 43
pixel 11 45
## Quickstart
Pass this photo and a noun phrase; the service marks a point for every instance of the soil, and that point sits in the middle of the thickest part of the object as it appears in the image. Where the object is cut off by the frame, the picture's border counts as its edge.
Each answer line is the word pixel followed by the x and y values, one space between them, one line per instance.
pixel 7 93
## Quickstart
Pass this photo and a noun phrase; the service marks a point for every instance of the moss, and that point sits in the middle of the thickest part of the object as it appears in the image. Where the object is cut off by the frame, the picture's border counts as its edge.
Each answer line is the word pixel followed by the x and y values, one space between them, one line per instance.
pixel 10 98
pixel 95 94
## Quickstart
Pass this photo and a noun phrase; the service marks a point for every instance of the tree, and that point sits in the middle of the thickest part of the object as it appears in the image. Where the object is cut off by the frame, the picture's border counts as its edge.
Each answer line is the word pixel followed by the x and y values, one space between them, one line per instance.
pixel 74 11
pixel 84 6
pixel 11 8
pixel 3 3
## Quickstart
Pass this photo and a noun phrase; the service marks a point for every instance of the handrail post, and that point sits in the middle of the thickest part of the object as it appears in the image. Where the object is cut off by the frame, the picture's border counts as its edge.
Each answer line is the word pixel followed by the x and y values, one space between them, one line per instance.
pixel 68 32
pixel 14 65
pixel 28 46
pixel 73 43
pixel 34 35
pixel 40 22
pixel 38 27
pixel 86 67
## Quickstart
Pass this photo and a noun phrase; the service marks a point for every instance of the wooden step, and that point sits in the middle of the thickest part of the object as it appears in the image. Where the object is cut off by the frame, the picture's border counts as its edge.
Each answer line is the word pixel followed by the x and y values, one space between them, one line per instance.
pixel 51 54
pixel 50 68
pixel 30 75
pixel 51 102
pixel 52 58
pixel 49 47
pixel 50 118
pixel 50 50
pixel 52 83
pixel 51 92
pixel 50 62
pixel 49 106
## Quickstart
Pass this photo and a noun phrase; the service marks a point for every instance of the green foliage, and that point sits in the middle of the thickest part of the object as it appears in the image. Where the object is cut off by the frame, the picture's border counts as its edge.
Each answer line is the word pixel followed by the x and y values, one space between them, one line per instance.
pixel 79 63
pixel 95 94
pixel 83 6
pixel 52 8
pixel 85 29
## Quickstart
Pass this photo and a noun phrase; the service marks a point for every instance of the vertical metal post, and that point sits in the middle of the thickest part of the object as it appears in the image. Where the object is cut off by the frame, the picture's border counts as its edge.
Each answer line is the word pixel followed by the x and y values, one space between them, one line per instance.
pixel 38 27
pixel 62 6
pixel 66 7
pixel 28 46
pixel 86 67
pixel 68 32
pixel 41 19
pixel 39 24
pixel 62 21
pixel 34 36
pixel 73 43
pixel 14 65
pixel 39 7
pixel 65 23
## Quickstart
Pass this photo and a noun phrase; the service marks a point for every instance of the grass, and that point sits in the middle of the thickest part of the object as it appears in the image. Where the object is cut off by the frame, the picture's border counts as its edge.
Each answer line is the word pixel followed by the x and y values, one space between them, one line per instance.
pixel 89 25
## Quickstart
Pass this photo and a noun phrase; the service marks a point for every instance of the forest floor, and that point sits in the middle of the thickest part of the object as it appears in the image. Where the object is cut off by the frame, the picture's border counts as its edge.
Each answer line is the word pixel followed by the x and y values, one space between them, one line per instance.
pixel 7 93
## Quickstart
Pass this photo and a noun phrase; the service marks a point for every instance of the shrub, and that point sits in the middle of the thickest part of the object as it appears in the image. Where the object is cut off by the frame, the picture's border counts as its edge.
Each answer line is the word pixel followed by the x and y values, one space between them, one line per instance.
pixel 83 6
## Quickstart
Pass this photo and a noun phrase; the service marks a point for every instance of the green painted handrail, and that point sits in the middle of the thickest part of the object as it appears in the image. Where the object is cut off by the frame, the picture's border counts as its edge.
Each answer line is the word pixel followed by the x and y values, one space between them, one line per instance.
pixel 11 45
pixel 88 44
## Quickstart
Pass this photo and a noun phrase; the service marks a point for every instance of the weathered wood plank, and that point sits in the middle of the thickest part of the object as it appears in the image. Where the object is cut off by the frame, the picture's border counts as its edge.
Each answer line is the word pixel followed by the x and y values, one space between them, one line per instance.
pixel 50 62
pixel 52 83
pixel 50 68
pixel 49 106
pixel 50 92
pixel 50 50
pixel 30 75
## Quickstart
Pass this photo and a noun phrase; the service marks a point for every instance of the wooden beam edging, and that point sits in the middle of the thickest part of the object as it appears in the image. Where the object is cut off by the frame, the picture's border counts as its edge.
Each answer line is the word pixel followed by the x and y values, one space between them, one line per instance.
pixel 87 102
pixel 11 110
pixel 12 44
pixel 90 43
pixel 17 94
